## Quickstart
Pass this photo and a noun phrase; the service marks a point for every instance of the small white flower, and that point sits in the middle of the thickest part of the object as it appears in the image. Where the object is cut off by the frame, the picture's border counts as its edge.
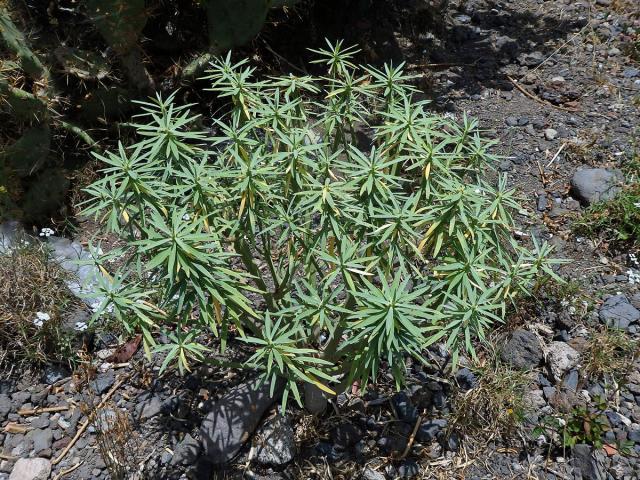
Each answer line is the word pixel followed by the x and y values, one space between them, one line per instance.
pixel 81 326
pixel 186 217
pixel 634 277
pixel 572 310
pixel 637 204
pixel 43 316
pixel 38 323
pixel 46 232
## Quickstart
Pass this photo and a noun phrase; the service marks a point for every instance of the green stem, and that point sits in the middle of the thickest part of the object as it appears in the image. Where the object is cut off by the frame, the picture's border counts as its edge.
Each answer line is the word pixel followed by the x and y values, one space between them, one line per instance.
pixel 247 258
pixel 17 43
pixel 81 133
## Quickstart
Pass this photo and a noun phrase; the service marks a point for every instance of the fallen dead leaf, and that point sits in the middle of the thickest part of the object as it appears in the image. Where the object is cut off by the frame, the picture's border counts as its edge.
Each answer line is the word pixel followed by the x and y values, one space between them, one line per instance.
pixel 125 351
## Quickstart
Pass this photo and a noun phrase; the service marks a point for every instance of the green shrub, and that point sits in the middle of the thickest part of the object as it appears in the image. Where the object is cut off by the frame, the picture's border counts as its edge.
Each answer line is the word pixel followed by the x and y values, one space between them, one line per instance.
pixel 359 255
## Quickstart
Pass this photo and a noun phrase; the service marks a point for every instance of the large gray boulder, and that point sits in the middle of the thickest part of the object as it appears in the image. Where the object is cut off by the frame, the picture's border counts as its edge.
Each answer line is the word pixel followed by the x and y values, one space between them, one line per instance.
pixel 591 185
pixel 233 419
pixel 31 469
pixel 72 257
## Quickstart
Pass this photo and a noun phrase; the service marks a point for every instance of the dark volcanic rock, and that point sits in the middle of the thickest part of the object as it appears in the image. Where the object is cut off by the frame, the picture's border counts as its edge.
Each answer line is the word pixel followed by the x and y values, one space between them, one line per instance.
pixel 274 443
pixel 234 418
pixel 429 430
pixel 617 312
pixel 584 460
pixel 345 435
pixel 466 379
pixel 186 451
pixel 405 410
pixel 522 350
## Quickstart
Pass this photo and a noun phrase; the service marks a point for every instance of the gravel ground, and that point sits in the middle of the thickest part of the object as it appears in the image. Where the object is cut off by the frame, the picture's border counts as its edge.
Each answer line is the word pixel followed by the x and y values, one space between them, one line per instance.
pixel 554 83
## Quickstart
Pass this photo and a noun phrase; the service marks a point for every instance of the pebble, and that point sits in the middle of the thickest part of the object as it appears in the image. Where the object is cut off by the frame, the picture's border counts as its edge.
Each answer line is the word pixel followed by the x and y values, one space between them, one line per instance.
pixel 631 72
pixel 550 134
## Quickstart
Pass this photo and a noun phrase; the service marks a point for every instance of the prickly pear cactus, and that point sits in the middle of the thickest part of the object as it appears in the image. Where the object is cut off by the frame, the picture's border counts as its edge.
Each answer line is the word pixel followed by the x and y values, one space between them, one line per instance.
pixel 16 42
pixel 235 22
pixel 120 22
pixel 27 154
pixel 46 194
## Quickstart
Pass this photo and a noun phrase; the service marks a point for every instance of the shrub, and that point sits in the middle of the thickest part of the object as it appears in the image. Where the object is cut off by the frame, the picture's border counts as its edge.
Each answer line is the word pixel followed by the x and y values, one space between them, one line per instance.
pixel 330 258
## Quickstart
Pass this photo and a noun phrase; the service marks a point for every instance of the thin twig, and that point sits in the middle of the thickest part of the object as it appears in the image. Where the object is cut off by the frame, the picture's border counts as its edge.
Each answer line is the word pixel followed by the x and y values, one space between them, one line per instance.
pixel 280 57
pixel 25 412
pixel 556 155
pixel 542 177
pixel 84 426
pixel 411 438
pixel 66 471
pixel 538 99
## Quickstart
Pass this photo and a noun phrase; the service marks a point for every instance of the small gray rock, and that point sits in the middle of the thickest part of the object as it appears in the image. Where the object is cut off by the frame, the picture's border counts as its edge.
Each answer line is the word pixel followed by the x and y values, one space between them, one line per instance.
pixel 31 469
pixel 408 469
pixel 466 379
pixel 345 435
pixel 5 406
pixel 274 444
pixel 371 474
pixel 429 430
pixel 186 451
pixel 535 399
pixel 40 422
pixel 591 185
pixel 571 381
pixel 70 255
pixel 542 202
pixel 10 232
pixel 315 400
pixel 616 311
pixel 42 440
pixel 522 350
pixel 103 382
pixel 151 408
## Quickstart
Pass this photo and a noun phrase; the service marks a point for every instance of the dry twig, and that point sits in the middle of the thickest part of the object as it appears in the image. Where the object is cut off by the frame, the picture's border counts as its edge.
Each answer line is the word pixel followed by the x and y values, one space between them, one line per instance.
pixel 84 426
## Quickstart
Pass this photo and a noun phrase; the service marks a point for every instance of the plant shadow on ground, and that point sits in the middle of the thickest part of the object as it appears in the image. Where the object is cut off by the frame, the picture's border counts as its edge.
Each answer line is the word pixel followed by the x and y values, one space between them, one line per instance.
pixel 478 41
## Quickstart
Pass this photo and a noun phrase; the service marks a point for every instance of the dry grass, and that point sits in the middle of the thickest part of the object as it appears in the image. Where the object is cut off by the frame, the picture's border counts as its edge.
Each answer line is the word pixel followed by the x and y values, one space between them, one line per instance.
pixel 495 407
pixel 117 441
pixel 30 284
pixel 610 355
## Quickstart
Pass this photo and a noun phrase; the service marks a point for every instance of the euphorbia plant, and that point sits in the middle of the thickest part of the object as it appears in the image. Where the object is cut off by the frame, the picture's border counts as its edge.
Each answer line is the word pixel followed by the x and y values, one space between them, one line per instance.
pixel 330 255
